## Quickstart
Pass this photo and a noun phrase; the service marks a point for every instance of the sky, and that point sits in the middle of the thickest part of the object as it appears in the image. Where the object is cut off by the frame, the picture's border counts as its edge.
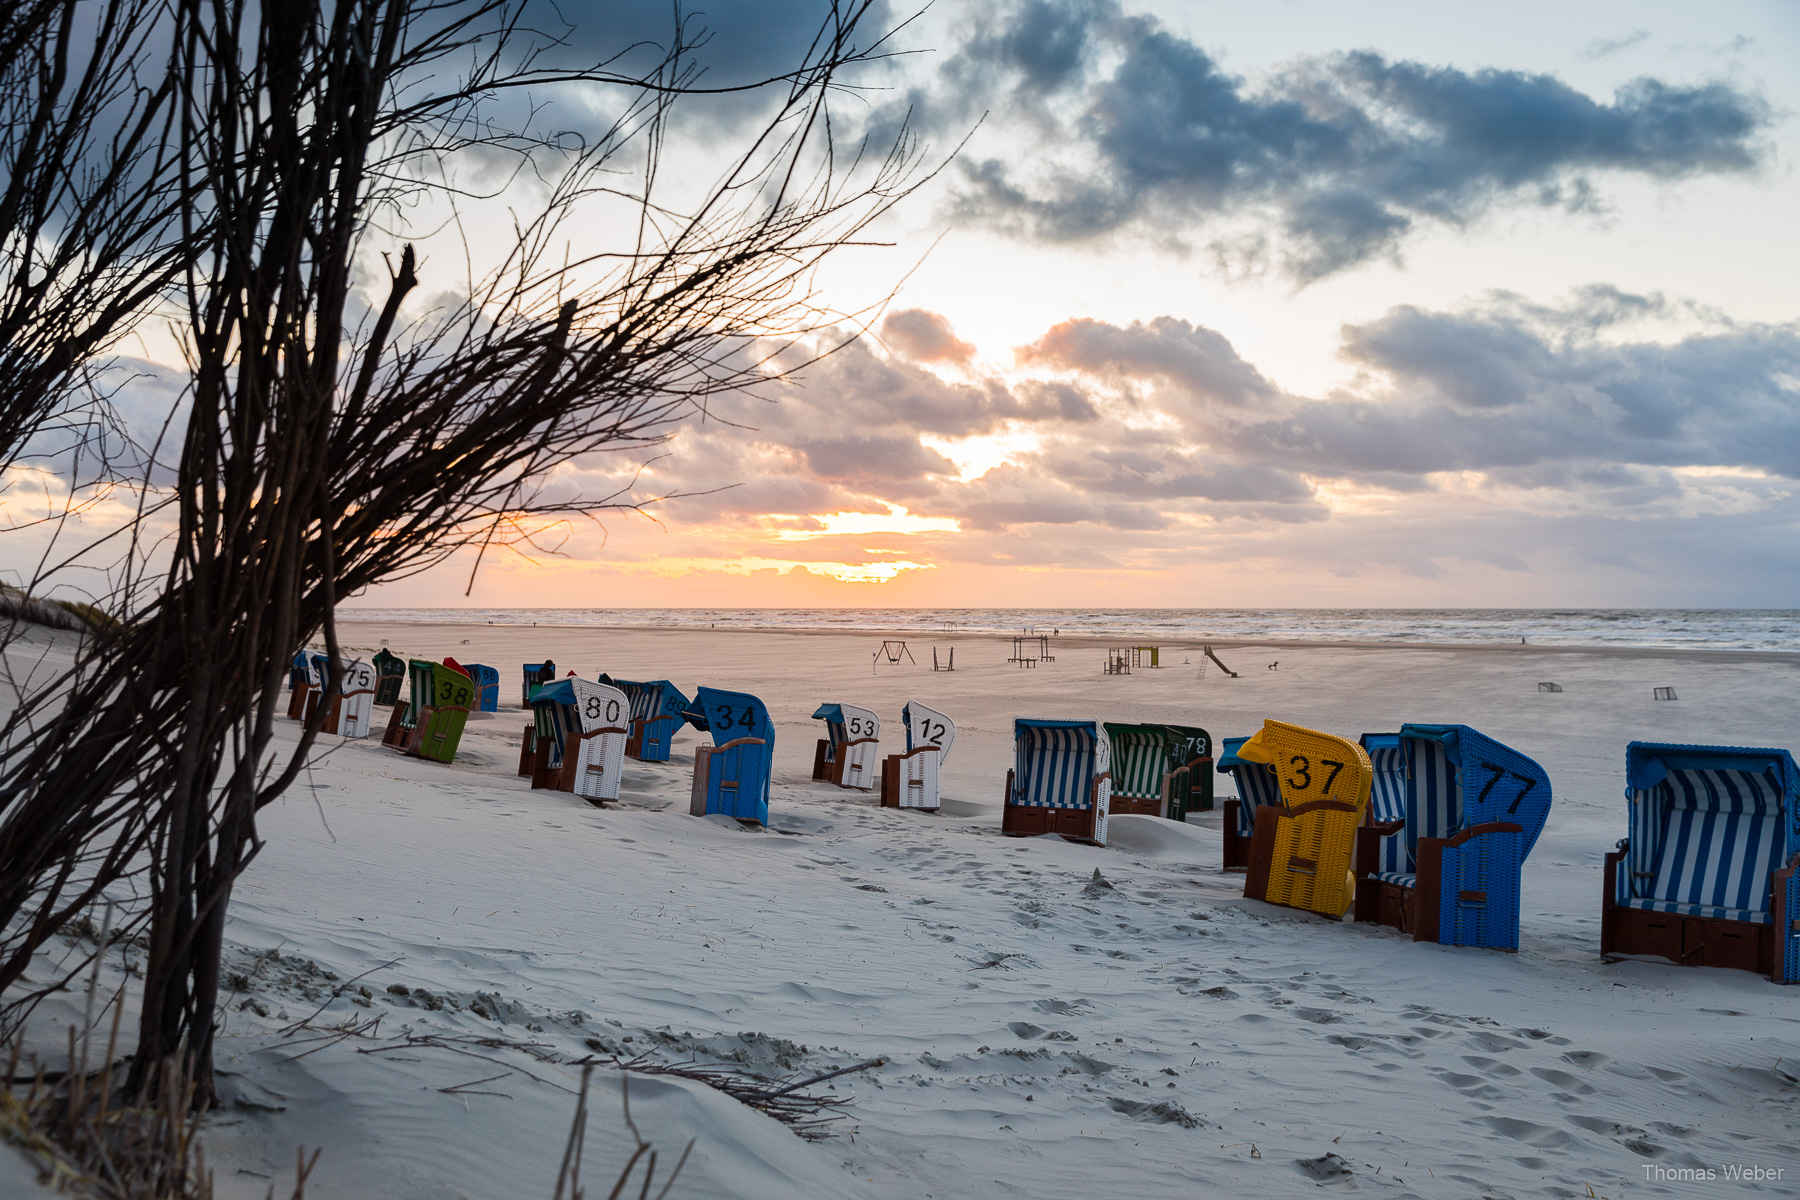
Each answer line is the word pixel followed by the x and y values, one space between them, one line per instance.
pixel 1292 303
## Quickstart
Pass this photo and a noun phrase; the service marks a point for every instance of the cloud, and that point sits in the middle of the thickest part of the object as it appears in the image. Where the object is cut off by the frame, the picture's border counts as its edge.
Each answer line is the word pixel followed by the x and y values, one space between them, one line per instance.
pixel 1114 125
pixel 924 337
pixel 1598 48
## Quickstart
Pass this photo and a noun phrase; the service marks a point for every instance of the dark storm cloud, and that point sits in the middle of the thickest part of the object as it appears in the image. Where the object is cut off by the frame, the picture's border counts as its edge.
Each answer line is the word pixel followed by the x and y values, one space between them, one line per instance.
pixel 739 41
pixel 1134 128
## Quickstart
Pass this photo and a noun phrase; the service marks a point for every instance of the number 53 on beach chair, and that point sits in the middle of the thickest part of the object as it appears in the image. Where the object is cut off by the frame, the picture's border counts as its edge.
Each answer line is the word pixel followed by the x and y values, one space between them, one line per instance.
pixel 731 776
pixel 1300 853
pixel 848 753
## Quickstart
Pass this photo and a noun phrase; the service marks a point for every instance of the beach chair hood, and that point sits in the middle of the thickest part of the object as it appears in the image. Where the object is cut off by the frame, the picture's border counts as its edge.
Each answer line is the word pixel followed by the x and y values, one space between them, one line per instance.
pixel 1708 826
pixel 1496 782
pixel 927 726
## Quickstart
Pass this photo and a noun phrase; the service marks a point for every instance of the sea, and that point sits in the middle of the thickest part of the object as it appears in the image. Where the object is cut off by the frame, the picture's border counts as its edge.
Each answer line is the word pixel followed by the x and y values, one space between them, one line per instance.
pixel 1700 629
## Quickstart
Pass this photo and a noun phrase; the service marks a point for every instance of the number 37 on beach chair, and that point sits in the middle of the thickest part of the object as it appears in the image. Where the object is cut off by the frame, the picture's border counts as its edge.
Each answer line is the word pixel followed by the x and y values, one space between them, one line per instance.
pixel 1301 849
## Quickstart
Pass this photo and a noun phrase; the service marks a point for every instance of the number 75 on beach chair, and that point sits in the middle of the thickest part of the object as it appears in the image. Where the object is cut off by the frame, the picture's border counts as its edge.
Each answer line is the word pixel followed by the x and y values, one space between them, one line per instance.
pixel 731 776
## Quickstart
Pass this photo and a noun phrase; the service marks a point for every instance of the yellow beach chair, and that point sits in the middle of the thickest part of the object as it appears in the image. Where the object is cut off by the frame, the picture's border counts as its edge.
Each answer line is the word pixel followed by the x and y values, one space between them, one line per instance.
pixel 1301 851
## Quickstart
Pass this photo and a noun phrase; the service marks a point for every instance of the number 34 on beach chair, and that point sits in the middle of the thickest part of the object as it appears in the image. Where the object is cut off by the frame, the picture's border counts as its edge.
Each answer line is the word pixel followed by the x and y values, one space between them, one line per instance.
pixel 1301 850
pixel 731 776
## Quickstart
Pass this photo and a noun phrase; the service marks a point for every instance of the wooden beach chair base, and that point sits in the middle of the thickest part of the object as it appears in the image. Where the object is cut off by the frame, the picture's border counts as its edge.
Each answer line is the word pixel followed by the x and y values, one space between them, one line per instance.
pixel 1236 845
pixel 1486 915
pixel 1031 820
pixel 1694 941
pixel 900 790
pixel 1300 857
pixel 1138 805
pixel 397 728
pixel 528 751
pixel 724 781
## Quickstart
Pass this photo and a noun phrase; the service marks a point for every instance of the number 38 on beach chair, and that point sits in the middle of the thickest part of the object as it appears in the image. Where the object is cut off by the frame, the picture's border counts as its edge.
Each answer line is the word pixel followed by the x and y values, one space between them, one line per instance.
pixel 657 709
pixel 1060 782
pixel 430 724
pixel 731 776
pixel 910 780
pixel 1710 872
pixel 1300 851
pixel 848 753
pixel 1456 814
pixel 1256 787
pixel 579 742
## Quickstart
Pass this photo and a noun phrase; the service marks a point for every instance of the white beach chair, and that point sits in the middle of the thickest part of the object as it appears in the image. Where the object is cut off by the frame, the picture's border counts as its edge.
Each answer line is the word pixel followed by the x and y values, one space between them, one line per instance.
pixel 849 755
pixel 594 760
pixel 910 780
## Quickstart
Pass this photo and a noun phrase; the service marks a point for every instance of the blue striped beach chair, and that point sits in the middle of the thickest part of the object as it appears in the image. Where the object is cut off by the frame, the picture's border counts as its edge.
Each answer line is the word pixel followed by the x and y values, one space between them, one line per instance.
pixel 658 711
pixel 911 780
pixel 731 776
pixel 1707 875
pixel 851 749
pixel 1256 787
pixel 536 676
pixel 487 686
pixel 1060 782
pixel 1454 816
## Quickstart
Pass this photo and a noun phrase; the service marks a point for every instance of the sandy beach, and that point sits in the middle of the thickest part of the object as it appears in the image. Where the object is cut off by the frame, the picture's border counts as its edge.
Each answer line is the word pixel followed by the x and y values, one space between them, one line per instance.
pixel 1046 1034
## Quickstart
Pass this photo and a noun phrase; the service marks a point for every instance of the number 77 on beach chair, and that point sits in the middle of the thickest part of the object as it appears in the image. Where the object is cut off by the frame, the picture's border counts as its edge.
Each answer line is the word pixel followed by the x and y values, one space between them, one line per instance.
pixel 1446 867
pixel 731 776
pixel 1300 853
pixel 1060 782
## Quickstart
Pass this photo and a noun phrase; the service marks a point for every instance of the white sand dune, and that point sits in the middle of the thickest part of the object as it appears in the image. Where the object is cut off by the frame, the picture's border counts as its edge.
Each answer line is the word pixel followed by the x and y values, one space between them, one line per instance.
pixel 1047 1033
